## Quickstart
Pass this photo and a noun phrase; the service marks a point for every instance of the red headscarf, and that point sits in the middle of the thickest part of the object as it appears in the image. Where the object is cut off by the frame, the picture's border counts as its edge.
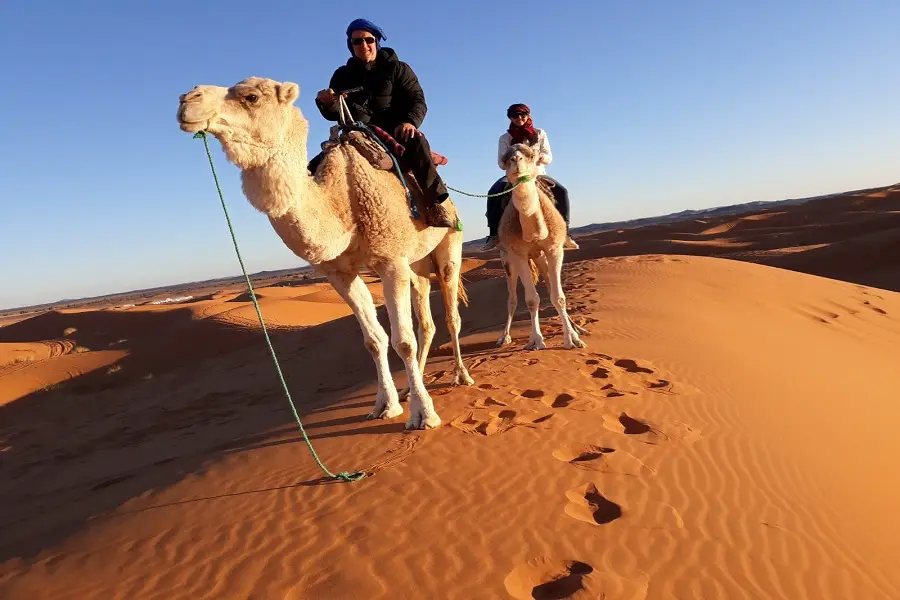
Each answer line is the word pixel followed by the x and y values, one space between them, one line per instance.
pixel 521 133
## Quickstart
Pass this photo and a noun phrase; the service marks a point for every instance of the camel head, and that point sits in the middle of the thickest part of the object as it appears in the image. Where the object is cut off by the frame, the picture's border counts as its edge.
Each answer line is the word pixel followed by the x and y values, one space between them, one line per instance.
pixel 519 160
pixel 252 119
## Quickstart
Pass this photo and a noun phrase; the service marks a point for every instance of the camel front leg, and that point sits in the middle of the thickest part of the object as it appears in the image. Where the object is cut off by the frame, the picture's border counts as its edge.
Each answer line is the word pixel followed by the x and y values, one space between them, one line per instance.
pixel 355 293
pixel 558 298
pixel 395 277
pixel 544 268
pixel 512 299
pixel 421 288
pixel 520 265
pixel 448 263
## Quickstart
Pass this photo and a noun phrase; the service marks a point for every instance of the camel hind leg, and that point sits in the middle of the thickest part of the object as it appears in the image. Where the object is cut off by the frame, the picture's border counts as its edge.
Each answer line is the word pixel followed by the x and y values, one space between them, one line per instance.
pixel 532 300
pixel 447 257
pixel 351 288
pixel 395 276
pixel 512 299
pixel 421 289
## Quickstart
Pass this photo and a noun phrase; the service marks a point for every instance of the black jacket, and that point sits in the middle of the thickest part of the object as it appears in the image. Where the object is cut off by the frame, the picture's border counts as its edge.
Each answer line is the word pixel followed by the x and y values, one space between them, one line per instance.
pixel 391 95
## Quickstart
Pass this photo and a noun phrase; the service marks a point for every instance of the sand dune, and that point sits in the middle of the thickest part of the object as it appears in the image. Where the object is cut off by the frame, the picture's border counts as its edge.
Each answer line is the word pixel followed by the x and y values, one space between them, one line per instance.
pixel 726 434
pixel 851 237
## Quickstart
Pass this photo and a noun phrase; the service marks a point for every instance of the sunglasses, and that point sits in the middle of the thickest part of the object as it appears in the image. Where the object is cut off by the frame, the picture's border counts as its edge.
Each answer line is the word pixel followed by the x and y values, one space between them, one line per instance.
pixel 362 40
pixel 518 115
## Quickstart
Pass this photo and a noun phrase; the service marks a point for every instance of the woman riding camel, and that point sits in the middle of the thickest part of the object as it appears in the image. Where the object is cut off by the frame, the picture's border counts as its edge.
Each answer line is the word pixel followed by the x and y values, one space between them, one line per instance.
pixel 522 130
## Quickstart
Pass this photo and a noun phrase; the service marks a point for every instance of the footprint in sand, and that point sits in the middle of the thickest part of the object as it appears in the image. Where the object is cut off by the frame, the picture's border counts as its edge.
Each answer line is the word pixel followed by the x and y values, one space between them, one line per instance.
pixel 587 504
pixel 874 308
pixel 612 392
pixel 630 366
pixel 601 458
pixel 567 401
pixel 432 378
pixel 545 578
pixel 500 421
pixel 637 376
pixel 647 432
pixel 488 403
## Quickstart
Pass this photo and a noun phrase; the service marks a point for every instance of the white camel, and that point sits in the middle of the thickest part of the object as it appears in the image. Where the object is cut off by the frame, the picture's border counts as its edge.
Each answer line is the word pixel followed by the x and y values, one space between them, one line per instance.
pixel 347 216
pixel 531 238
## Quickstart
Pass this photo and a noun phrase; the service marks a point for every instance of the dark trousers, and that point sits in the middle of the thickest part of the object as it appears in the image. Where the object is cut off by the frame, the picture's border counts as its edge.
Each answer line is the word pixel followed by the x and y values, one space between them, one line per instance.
pixel 416 158
pixel 497 204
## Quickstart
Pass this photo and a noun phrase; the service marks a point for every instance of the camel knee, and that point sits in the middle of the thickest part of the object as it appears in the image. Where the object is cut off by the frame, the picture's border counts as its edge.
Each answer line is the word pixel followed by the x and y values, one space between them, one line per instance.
pixel 428 329
pixel 449 272
pixel 405 348
pixel 454 323
pixel 533 304
pixel 560 301
pixel 376 342
pixel 375 348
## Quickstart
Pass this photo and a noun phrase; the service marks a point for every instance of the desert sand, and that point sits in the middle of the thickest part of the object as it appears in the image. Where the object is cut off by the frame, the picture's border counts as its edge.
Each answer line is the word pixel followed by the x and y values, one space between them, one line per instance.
pixel 727 433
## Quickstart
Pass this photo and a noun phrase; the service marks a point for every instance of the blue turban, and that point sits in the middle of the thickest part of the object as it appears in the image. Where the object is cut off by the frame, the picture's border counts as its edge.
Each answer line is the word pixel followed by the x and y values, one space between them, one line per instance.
pixel 365 25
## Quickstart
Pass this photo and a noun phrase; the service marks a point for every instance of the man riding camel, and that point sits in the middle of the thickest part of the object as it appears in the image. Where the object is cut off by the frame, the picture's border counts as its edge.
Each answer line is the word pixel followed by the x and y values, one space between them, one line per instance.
pixel 392 99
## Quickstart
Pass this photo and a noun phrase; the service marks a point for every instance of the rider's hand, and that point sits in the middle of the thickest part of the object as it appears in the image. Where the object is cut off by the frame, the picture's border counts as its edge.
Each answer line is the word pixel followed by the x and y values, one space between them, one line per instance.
pixel 326 97
pixel 405 132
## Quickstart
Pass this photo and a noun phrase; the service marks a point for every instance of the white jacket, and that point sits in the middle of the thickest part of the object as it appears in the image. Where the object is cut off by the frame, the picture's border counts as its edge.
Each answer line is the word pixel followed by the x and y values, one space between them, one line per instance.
pixel 543 146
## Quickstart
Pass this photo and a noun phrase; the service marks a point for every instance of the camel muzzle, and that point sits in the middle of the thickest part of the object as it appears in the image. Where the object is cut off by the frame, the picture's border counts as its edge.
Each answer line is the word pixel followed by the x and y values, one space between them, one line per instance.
pixel 192 116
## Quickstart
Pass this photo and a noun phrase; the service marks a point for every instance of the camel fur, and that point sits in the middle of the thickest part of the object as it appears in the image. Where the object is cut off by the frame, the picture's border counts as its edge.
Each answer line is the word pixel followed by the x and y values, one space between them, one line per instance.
pixel 531 237
pixel 347 216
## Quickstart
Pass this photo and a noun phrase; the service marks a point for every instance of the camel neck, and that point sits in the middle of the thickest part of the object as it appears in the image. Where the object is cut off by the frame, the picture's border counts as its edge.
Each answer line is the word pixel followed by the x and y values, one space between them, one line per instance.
pixel 311 215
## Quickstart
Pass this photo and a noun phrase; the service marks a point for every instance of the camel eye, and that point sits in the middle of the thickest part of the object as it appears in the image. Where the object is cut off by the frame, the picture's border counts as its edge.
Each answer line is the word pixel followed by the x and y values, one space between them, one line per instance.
pixel 251 98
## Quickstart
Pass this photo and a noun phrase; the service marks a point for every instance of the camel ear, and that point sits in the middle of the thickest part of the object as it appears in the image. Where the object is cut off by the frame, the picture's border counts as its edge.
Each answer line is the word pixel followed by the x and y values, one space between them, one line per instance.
pixel 288 92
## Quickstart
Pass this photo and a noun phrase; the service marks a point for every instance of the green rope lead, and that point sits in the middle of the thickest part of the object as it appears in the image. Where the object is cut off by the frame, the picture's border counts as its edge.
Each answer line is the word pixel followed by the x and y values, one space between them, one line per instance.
pixel 519 181
pixel 345 476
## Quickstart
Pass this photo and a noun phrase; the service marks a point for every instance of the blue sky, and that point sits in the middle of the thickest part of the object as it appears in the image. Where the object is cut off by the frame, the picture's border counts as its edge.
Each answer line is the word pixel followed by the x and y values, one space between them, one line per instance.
pixel 651 107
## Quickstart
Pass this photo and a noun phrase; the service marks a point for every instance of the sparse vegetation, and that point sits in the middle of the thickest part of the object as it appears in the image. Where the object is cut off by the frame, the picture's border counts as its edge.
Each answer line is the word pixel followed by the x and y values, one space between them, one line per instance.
pixel 114 369
pixel 69 331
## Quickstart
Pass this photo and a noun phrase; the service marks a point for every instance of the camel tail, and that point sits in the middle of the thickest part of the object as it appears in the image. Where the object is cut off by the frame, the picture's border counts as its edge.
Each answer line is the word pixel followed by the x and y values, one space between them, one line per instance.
pixel 461 294
pixel 535 272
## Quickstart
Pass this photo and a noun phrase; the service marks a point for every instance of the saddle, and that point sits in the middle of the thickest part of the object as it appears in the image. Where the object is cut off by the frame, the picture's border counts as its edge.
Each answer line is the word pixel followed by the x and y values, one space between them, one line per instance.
pixel 372 150
pixel 378 157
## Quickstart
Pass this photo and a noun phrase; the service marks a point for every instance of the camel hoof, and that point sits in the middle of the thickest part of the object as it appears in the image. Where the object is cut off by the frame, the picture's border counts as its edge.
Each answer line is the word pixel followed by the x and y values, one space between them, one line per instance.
pixel 421 420
pixel 403 394
pixel 388 412
pixel 535 345
pixel 575 343
pixel 504 340
pixel 463 378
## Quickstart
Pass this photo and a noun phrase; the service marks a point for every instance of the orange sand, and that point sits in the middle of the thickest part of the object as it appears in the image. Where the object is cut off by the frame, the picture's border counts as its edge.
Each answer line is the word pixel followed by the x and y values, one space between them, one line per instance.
pixel 726 434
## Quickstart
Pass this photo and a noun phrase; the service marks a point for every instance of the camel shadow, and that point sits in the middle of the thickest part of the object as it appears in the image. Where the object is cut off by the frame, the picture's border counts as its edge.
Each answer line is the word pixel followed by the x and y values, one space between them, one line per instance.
pixel 189 393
